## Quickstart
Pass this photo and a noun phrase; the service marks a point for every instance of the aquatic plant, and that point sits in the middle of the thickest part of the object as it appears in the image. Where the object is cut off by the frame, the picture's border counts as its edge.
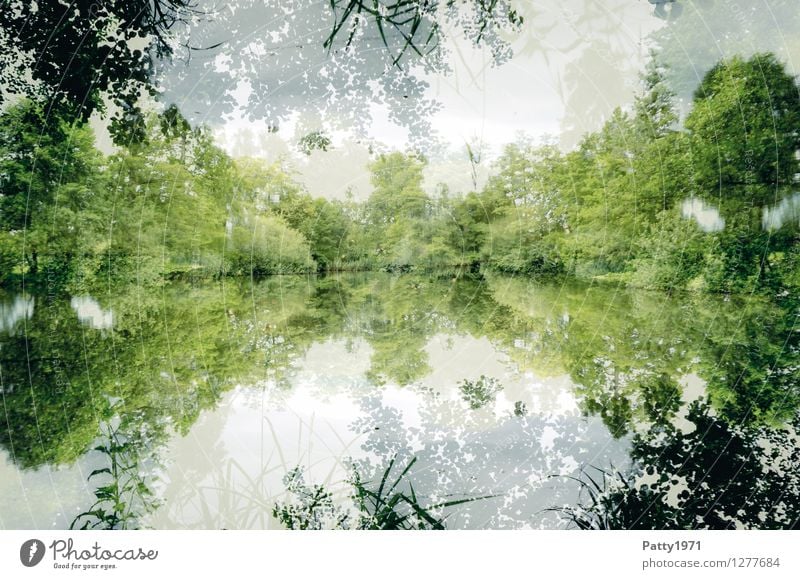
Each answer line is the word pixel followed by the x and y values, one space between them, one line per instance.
pixel 124 496
pixel 392 505
pixel 600 504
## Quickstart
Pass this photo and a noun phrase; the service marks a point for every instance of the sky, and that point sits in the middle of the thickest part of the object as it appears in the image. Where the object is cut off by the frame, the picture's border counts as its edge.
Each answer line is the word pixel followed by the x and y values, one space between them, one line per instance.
pixel 271 81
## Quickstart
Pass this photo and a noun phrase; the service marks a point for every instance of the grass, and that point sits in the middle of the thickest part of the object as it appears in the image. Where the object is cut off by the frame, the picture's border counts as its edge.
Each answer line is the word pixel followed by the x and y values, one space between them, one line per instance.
pixel 391 505
pixel 600 504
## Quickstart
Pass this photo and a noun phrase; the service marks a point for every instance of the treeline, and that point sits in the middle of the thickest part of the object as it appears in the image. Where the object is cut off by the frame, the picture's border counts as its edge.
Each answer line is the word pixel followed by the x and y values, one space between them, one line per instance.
pixel 704 204
pixel 175 352
pixel 171 202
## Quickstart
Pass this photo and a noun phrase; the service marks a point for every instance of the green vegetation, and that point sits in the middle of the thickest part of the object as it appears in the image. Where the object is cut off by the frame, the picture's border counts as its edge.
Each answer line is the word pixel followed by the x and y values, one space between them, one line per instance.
pixel 705 204
pixel 615 207
pixel 644 200
pixel 89 57
pixel 125 496
pixel 385 505
pixel 184 249
pixel 478 393
pixel 630 358
pixel 173 352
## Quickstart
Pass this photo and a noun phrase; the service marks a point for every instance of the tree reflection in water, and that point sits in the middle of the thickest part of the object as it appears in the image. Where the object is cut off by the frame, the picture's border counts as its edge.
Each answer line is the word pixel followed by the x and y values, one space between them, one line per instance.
pixel 716 476
pixel 692 398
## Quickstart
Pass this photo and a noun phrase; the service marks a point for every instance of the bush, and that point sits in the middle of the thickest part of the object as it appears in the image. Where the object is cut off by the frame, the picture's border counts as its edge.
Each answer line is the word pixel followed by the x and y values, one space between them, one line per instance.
pixel 265 245
pixel 672 254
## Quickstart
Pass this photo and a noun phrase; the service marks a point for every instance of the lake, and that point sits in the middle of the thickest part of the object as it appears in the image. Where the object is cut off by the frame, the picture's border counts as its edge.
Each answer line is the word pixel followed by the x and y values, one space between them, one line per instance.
pixel 554 405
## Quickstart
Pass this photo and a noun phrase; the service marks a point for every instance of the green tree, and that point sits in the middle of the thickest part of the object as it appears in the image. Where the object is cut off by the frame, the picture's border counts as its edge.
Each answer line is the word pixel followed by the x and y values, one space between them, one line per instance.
pixel 396 210
pixel 654 106
pixel 322 222
pixel 744 120
pixel 51 181
pixel 530 211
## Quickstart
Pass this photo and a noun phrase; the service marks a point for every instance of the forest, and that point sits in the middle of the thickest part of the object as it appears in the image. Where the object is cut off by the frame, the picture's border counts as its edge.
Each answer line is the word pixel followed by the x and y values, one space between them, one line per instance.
pixel 704 203
pixel 597 333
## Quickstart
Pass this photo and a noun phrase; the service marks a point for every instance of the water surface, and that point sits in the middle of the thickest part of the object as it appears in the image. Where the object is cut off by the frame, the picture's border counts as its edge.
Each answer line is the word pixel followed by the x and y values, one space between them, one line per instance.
pixel 497 386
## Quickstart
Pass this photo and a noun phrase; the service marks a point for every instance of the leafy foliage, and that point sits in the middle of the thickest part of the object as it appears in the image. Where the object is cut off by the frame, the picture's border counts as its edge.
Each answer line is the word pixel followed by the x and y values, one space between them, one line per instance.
pixel 125 496
pixel 387 505
pixel 626 205
pixel 313 507
pixel 478 393
pixel 315 140
pixel 411 25
pixel 744 118
pixel 79 52
pixel 717 476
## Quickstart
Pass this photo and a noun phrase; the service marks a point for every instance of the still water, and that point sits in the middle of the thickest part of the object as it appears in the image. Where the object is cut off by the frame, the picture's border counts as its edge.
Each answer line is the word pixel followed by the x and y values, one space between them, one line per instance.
pixel 682 410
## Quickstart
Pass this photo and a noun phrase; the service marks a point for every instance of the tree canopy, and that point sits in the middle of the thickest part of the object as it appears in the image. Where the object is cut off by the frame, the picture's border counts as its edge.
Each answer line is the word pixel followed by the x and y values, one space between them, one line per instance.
pixel 76 53
pixel 78 56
